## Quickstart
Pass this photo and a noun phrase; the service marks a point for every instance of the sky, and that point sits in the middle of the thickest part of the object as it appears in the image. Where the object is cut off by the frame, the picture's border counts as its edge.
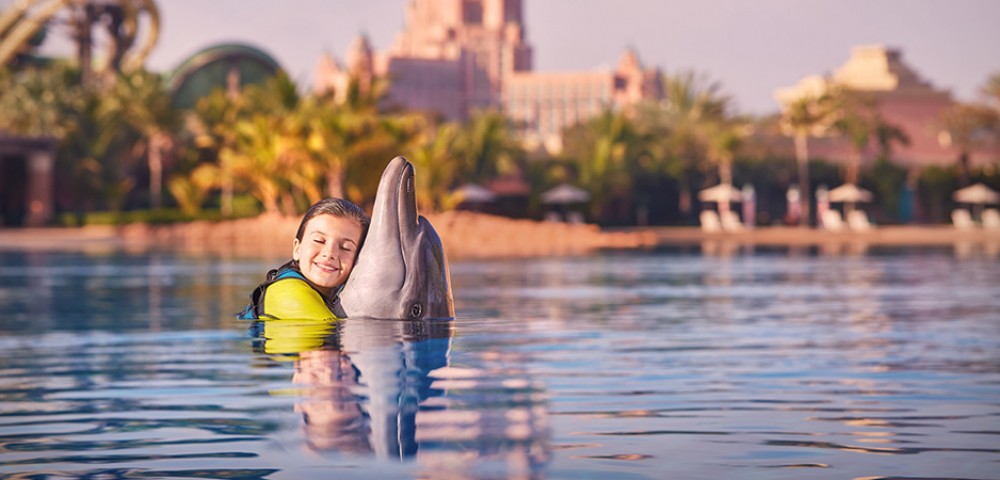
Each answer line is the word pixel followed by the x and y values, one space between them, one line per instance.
pixel 751 47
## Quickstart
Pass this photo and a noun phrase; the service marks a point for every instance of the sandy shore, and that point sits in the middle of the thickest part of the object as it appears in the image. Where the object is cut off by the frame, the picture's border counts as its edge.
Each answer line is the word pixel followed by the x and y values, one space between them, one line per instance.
pixel 474 235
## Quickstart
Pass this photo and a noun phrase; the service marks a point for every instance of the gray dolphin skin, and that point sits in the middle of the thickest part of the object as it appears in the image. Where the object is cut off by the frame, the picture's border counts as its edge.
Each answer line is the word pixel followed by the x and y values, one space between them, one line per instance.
pixel 401 271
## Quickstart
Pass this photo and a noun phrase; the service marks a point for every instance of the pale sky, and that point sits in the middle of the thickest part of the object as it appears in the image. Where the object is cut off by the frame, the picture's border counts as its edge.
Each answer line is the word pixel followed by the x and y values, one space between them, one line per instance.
pixel 751 47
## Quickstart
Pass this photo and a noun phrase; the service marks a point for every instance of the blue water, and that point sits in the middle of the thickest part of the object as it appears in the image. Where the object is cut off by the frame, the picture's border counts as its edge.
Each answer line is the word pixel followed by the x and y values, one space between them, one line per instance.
pixel 669 364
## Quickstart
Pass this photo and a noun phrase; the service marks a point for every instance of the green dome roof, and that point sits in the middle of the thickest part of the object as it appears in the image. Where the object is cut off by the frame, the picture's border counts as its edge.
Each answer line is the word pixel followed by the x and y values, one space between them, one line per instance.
pixel 210 68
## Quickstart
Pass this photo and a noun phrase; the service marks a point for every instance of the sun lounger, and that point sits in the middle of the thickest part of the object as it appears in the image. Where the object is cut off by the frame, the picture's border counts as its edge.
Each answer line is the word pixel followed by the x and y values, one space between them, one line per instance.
pixel 710 221
pixel 857 220
pixel 730 221
pixel 991 219
pixel 962 219
pixel 832 221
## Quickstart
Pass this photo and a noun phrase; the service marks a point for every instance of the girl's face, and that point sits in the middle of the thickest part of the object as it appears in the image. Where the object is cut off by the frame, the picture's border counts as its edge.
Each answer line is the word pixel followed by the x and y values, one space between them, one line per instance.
pixel 327 251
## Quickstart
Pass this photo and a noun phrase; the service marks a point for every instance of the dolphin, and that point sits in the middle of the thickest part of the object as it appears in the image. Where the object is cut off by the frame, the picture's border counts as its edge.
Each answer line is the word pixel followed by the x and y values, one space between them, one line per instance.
pixel 401 271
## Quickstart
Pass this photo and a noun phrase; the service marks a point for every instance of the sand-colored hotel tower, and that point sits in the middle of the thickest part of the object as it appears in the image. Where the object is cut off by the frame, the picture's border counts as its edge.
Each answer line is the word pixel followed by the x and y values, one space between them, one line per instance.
pixel 456 56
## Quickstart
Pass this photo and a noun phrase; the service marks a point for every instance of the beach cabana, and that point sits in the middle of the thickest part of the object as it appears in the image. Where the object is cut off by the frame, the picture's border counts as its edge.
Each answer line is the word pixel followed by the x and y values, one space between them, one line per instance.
pixel 849 193
pixel 977 195
pixel 474 193
pixel 473 196
pixel 723 194
pixel 565 194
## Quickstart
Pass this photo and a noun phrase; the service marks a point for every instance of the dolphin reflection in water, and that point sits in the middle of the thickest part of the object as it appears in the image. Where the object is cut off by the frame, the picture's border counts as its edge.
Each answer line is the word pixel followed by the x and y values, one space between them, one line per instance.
pixel 386 388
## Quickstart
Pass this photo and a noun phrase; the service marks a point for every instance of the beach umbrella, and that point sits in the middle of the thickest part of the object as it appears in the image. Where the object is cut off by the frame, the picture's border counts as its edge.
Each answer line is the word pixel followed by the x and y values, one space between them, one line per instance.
pixel 849 193
pixel 475 193
pixel 976 194
pixel 565 193
pixel 721 193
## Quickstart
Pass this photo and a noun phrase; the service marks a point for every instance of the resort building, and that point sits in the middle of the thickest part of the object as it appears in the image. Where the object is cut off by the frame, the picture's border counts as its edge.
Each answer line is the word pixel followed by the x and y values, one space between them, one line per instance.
pixel 543 104
pixel 903 99
pixel 456 56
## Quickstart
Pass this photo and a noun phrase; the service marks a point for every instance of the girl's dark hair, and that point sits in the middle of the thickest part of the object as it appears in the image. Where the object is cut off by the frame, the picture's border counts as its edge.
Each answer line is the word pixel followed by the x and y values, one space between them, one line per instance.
pixel 338 207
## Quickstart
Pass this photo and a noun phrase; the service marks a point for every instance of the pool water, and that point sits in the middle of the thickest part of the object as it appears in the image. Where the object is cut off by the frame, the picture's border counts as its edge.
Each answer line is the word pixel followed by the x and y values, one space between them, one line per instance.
pixel 665 364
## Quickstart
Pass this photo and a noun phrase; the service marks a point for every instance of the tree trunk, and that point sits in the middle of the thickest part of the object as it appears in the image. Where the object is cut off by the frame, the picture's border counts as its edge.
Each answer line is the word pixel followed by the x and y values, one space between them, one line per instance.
pixel 335 181
pixel 227 196
pixel 726 171
pixel 802 159
pixel 156 145
pixel 853 168
pixel 84 41
pixel 963 167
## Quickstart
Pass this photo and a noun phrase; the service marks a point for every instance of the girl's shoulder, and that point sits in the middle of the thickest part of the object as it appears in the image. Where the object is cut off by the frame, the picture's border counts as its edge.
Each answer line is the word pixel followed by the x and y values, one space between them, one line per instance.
pixel 293 297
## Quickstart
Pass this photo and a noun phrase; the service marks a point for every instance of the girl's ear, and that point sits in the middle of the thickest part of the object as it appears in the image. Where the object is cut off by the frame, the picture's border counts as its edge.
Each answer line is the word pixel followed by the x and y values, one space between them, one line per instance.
pixel 295 249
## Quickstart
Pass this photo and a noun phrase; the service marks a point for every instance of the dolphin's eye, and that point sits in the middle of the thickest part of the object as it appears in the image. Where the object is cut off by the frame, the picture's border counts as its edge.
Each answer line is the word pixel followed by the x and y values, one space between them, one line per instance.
pixel 416 310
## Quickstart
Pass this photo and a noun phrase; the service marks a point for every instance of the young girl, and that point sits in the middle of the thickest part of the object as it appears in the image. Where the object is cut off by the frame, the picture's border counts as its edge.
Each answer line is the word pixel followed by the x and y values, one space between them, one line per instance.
pixel 323 254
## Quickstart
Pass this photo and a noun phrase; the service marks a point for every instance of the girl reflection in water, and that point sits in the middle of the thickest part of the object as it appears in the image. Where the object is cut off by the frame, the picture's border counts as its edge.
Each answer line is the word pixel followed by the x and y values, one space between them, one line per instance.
pixel 332 415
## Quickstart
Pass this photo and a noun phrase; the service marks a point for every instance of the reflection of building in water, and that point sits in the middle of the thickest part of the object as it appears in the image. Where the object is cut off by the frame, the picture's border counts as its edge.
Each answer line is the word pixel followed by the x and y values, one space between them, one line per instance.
pixel 386 388
pixel 456 56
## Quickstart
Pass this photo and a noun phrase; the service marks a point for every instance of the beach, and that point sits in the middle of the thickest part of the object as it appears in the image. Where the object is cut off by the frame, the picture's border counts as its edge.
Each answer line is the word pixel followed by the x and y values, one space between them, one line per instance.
pixel 476 235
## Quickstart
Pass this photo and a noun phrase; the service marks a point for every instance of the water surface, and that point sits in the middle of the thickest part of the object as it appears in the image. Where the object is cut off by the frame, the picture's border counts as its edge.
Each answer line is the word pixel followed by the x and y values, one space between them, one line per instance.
pixel 667 364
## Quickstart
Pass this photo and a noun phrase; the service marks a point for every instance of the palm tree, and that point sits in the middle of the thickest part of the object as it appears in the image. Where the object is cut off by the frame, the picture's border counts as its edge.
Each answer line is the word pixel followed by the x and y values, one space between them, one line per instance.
pixel 146 106
pixel 38 101
pixel 437 161
pixel 991 90
pixel 688 123
pixel 607 151
pixel 806 116
pixel 964 126
pixel 856 118
pixel 488 146
pixel 213 124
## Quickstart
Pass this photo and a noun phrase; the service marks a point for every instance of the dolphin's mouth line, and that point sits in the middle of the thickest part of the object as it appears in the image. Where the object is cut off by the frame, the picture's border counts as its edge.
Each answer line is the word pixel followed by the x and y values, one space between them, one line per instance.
pixel 404 187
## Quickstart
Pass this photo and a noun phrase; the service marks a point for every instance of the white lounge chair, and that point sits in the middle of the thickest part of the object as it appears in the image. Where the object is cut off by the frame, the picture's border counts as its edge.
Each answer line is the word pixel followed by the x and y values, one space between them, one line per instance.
pixel 730 221
pixel 832 221
pixel 710 221
pixel 962 219
pixel 991 219
pixel 857 220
